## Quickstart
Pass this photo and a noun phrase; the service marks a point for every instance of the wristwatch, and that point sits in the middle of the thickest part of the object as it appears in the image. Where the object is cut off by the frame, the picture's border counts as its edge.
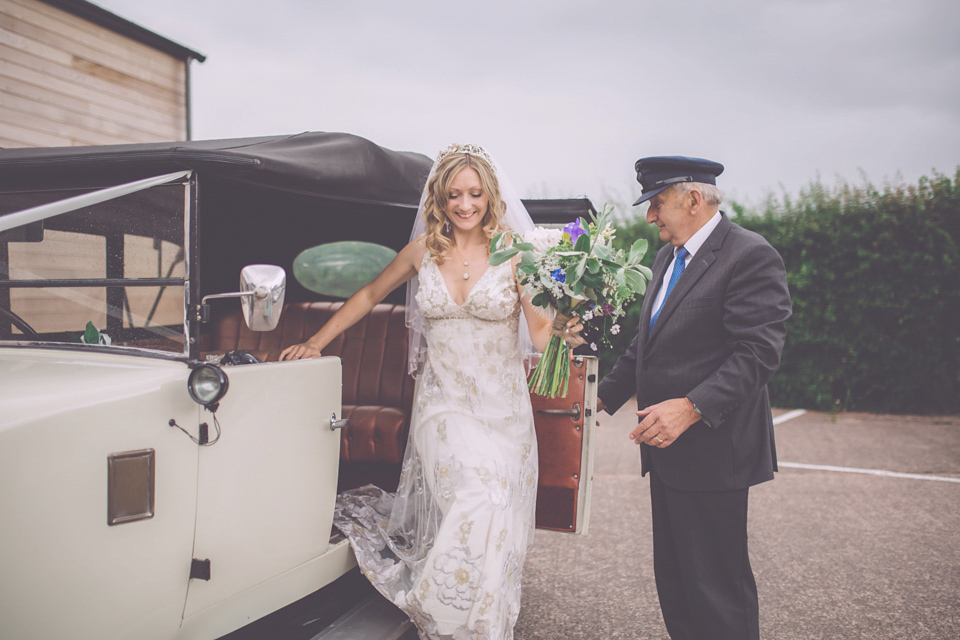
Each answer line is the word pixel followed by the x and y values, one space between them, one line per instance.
pixel 696 409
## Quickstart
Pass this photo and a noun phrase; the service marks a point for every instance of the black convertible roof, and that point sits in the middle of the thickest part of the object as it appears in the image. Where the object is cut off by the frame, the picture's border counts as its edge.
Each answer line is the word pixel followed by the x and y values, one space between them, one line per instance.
pixel 338 166
pixel 335 166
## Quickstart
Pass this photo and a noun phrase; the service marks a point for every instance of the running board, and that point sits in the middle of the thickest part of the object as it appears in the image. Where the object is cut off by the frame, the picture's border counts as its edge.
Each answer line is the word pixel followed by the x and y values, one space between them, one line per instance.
pixel 375 618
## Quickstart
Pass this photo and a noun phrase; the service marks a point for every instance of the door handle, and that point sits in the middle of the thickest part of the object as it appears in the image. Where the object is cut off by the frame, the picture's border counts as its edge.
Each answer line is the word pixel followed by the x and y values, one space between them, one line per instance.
pixel 573 413
pixel 337 424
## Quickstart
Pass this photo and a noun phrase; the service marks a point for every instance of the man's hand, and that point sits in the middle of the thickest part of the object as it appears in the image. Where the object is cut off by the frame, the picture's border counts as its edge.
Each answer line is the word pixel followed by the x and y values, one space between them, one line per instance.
pixel 571 332
pixel 661 424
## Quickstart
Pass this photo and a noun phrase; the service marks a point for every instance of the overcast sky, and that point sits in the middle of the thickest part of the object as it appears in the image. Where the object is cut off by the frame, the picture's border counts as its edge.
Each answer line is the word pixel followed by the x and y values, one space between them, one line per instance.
pixel 568 94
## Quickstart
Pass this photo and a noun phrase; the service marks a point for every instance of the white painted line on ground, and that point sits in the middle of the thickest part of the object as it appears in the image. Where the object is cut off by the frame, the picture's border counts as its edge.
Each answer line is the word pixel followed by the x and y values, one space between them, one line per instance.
pixel 789 415
pixel 796 413
pixel 873 472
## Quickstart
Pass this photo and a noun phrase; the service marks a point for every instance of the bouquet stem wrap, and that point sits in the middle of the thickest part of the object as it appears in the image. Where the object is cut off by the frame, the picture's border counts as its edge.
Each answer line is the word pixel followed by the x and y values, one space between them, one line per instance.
pixel 552 375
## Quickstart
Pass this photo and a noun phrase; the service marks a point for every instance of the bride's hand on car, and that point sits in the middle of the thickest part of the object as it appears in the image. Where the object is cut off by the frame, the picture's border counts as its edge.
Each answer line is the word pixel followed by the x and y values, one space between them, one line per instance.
pixel 299 351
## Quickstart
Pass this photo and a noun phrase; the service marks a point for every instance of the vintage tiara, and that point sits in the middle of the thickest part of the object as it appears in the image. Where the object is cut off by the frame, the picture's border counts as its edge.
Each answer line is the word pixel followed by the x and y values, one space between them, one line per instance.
pixel 466 149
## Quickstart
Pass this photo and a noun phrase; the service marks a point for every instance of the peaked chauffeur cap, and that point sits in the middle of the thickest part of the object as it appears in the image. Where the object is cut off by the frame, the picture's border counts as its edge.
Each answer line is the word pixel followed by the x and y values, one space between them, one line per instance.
pixel 659 172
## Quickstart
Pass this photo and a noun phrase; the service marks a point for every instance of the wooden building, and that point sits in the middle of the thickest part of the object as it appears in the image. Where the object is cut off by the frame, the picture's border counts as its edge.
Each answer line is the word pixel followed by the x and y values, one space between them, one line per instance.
pixel 72 73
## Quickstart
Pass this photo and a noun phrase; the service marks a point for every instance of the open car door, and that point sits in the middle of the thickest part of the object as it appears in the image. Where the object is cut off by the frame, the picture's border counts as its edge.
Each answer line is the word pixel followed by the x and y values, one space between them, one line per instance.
pixel 565 441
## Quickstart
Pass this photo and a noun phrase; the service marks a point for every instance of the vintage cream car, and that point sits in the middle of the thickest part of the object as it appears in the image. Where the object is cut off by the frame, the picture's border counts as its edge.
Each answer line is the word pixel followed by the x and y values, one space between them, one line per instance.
pixel 151 487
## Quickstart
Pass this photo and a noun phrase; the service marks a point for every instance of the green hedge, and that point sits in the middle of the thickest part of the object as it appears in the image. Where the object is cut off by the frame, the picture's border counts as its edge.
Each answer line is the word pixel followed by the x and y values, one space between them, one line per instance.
pixel 875 281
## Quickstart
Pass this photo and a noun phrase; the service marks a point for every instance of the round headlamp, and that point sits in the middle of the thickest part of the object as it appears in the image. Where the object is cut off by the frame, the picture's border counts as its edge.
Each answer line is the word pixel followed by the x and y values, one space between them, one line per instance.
pixel 207 384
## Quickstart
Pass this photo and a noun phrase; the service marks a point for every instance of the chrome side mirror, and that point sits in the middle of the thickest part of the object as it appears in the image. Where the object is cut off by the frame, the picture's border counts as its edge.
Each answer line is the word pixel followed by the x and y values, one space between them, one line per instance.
pixel 262 289
pixel 268 283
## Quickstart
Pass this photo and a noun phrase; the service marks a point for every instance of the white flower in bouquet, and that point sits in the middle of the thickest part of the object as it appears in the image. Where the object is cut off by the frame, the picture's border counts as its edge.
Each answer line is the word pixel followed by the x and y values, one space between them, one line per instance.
pixel 605 237
pixel 542 238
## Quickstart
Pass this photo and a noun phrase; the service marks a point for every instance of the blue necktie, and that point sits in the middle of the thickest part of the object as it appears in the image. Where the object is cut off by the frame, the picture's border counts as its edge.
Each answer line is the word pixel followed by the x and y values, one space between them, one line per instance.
pixel 678 266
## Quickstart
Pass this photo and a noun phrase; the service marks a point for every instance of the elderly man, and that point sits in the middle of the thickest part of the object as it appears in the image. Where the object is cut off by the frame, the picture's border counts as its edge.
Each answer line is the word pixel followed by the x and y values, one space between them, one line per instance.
pixel 711 334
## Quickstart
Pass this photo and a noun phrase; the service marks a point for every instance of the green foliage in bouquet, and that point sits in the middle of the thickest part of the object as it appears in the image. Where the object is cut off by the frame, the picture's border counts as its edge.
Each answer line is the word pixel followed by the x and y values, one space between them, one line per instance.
pixel 575 271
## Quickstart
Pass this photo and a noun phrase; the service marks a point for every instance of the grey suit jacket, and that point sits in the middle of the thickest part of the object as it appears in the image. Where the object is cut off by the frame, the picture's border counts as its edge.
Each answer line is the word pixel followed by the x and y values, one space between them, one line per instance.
pixel 717 341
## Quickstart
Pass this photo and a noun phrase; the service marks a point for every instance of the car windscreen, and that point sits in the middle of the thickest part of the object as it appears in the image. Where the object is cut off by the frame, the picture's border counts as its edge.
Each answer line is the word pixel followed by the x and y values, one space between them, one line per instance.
pixel 110 273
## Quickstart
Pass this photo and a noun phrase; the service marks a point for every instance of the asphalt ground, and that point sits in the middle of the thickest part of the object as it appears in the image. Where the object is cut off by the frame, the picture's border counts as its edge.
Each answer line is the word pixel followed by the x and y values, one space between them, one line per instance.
pixel 841 550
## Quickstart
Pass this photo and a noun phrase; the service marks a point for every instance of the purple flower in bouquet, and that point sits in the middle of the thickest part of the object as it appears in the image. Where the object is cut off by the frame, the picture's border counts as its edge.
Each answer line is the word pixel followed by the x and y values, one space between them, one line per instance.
pixel 558 275
pixel 574 230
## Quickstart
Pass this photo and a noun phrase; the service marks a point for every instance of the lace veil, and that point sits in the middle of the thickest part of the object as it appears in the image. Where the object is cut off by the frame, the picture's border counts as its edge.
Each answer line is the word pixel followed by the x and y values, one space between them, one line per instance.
pixel 515 218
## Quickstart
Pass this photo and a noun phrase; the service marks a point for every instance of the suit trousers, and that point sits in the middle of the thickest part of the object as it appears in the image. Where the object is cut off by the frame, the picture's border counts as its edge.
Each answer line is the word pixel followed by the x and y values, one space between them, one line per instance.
pixel 706 586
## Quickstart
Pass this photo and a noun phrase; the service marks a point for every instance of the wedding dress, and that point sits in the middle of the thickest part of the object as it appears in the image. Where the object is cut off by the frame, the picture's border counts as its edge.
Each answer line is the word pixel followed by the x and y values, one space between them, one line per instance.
pixel 448 549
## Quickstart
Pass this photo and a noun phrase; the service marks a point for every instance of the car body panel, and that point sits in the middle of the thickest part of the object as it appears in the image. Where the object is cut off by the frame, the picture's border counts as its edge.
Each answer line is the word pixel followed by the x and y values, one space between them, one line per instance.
pixel 268 486
pixel 272 595
pixel 54 447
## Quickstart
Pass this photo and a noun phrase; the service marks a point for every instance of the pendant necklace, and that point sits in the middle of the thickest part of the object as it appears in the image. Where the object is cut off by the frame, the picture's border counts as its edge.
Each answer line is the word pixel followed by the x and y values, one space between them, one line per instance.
pixel 466 274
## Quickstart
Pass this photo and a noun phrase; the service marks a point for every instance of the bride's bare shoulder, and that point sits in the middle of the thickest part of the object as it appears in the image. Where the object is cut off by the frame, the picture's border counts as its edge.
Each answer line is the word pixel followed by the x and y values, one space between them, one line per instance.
pixel 414 252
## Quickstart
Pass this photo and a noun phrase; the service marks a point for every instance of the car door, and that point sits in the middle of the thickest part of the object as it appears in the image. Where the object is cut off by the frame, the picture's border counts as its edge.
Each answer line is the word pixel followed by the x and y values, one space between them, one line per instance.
pixel 266 490
pixel 565 440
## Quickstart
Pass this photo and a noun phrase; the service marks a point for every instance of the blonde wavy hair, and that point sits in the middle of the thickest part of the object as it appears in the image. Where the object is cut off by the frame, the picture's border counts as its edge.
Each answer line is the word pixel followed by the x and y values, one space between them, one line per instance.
pixel 438 241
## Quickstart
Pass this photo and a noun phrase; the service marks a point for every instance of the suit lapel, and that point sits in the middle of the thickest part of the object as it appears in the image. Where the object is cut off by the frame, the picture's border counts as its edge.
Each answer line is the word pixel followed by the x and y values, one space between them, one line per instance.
pixel 702 261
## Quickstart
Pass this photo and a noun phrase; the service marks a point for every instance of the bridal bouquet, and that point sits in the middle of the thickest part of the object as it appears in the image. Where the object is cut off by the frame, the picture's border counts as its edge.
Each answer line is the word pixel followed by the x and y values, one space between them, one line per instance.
pixel 574 272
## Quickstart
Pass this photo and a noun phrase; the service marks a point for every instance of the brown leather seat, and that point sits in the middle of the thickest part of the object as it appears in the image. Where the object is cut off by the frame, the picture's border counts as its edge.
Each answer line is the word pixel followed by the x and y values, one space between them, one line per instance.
pixel 377 391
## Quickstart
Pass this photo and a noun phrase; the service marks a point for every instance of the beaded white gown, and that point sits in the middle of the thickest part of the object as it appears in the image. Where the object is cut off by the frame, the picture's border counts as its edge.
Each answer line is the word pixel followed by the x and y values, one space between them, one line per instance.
pixel 448 548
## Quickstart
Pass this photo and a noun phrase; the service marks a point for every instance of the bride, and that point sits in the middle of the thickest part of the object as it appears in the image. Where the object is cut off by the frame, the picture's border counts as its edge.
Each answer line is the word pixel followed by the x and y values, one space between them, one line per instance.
pixel 449 547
